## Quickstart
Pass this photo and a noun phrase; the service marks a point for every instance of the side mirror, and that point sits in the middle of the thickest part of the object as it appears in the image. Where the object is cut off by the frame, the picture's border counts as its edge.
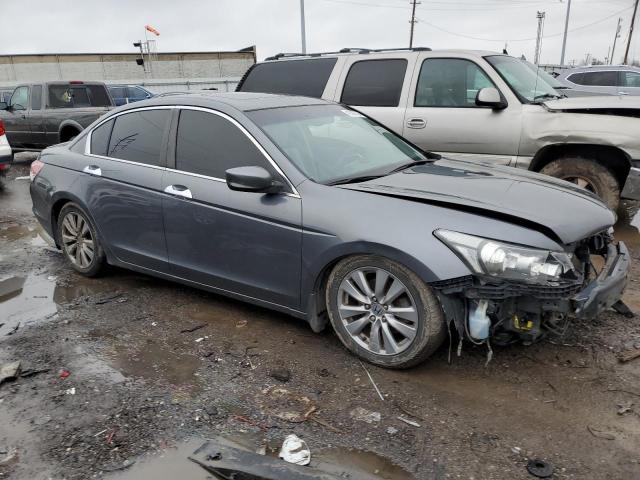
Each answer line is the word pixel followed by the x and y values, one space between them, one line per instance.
pixel 490 97
pixel 3 105
pixel 252 179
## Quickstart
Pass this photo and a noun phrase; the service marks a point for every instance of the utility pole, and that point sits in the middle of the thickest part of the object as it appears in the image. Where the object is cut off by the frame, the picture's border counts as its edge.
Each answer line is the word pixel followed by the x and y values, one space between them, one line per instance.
pixel 413 20
pixel 302 28
pixel 566 28
pixel 613 50
pixel 540 16
pixel 633 21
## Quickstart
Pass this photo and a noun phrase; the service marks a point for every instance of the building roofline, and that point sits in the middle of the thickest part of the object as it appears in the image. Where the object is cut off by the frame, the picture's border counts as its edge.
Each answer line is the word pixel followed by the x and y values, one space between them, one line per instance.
pixel 77 54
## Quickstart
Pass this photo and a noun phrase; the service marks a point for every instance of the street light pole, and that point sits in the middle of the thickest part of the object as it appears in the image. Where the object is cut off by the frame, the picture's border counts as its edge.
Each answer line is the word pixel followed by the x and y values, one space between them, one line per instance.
pixel 412 21
pixel 633 21
pixel 564 38
pixel 302 28
pixel 615 39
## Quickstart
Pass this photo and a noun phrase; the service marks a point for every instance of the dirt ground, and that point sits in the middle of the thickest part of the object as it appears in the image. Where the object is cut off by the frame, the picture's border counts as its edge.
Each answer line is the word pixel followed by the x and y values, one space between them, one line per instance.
pixel 156 368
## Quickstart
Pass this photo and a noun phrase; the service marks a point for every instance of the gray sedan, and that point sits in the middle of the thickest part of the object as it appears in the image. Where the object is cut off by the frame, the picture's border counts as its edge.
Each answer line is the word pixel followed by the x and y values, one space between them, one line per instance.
pixel 315 210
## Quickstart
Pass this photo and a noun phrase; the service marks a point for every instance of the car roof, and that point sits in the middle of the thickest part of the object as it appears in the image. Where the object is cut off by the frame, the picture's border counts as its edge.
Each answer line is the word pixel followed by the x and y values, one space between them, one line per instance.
pixel 383 52
pixel 243 101
pixel 591 68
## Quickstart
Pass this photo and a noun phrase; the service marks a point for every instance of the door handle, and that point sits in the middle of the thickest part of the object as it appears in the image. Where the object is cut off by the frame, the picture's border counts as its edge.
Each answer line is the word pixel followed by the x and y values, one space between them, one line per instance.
pixel 178 191
pixel 93 170
pixel 623 93
pixel 416 123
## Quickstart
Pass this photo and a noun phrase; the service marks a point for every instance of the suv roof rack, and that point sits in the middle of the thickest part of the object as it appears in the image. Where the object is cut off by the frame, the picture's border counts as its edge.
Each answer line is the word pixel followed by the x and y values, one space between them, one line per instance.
pixel 363 51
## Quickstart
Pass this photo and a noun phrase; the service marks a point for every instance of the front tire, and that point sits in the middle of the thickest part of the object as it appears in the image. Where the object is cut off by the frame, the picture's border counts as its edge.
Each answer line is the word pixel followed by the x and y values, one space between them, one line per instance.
pixel 79 241
pixel 587 174
pixel 383 312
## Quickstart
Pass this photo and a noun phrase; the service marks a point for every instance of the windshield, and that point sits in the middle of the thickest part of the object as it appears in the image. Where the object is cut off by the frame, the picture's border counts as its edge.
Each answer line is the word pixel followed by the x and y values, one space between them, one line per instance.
pixel 329 143
pixel 526 83
pixel 555 83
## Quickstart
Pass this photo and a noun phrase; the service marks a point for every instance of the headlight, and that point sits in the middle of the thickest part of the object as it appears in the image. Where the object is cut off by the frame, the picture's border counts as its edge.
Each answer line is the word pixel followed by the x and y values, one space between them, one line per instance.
pixel 505 260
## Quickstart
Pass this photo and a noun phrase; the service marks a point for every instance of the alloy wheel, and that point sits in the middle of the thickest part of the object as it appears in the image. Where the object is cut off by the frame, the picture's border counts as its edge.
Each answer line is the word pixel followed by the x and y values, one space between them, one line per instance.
pixel 378 311
pixel 77 240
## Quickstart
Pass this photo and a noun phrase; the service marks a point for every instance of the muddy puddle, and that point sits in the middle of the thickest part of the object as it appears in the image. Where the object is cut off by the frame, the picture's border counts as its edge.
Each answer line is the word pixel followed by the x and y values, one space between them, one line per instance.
pixel 25 300
pixel 345 463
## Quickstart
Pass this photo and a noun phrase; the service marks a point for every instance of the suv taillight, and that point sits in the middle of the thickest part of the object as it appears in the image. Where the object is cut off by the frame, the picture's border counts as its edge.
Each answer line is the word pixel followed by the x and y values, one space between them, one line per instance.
pixel 2 130
pixel 36 166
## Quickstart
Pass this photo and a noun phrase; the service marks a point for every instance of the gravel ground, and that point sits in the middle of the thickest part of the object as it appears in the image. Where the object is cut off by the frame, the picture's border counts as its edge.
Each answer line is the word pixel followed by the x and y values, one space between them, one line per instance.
pixel 125 375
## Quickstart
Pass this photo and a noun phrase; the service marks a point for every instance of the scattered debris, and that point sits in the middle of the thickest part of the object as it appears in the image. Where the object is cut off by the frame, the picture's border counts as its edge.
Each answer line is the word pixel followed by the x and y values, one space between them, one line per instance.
pixel 10 457
pixel 295 450
pixel 107 299
pixel 70 391
pixel 286 405
pixel 31 372
pixel 281 374
pixel 516 450
pixel 406 411
pixel 244 419
pixel 198 340
pixel 193 329
pixel 9 371
pixel 623 391
pixel 392 430
pixel 539 468
pixel 241 323
pixel 483 442
pixel 625 407
pixel 371 379
pixel 409 422
pixel 629 355
pixel 14 329
pixel 596 432
pixel 64 373
pixel 323 372
pixel 364 415
pixel 326 425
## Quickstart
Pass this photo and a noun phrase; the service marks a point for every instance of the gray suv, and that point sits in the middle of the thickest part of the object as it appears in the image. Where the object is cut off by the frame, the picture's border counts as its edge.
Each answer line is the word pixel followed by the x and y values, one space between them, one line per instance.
pixel 603 79
pixel 474 105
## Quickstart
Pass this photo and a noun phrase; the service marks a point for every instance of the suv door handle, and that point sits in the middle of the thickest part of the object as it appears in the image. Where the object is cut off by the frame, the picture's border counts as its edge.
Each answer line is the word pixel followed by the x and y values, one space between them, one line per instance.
pixel 178 191
pixel 93 170
pixel 623 93
pixel 416 123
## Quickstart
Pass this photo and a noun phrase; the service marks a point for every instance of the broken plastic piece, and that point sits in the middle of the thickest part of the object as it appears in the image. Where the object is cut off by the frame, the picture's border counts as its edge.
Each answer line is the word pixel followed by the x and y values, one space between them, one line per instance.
pixel 295 450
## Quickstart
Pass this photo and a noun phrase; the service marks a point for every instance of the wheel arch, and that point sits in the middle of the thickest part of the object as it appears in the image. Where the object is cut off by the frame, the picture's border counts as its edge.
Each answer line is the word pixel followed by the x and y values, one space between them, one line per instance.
pixel 616 160
pixel 60 200
pixel 67 129
pixel 315 282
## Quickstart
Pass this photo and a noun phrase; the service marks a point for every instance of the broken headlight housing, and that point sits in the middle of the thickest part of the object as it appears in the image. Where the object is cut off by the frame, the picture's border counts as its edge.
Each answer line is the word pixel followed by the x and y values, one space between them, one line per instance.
pixel 507 261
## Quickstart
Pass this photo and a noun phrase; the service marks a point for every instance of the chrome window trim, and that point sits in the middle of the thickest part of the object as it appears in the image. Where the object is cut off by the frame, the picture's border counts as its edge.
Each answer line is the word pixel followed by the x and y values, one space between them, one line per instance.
pixel 87 148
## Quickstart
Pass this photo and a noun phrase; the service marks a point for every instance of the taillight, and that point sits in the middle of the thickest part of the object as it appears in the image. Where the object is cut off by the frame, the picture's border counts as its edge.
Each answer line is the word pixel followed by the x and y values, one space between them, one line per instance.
pixel 36 166
pixel 2 130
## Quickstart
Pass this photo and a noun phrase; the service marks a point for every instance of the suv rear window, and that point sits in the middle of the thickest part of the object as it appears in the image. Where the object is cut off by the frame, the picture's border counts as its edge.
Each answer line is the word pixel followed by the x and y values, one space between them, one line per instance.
pixel 72 95
pixel 375 83
pixel 595 79
pixel 293 77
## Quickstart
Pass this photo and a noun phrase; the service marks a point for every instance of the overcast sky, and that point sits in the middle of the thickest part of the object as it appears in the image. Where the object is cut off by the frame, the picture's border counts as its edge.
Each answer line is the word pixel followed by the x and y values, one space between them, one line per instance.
pixel 43 26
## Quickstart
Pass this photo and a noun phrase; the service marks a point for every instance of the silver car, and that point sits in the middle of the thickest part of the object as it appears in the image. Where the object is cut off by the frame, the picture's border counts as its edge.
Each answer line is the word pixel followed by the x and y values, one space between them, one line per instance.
pixel 603 79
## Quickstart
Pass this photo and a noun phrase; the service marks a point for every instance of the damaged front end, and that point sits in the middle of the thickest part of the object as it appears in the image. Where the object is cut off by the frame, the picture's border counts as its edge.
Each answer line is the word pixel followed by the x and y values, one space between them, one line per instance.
pixel 522 294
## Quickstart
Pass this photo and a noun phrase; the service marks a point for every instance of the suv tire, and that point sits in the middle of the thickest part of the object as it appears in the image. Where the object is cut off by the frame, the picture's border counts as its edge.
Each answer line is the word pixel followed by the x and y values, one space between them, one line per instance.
pixel 588 174
pixel 375 321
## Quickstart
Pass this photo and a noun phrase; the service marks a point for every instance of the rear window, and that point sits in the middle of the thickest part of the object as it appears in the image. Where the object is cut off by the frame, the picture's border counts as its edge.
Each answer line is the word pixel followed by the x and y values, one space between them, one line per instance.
pixel 70 96
pixel 596 79
pixel 100 139
pixel 137 136
pixel 36 97
pixel 375 83
pixel 293 77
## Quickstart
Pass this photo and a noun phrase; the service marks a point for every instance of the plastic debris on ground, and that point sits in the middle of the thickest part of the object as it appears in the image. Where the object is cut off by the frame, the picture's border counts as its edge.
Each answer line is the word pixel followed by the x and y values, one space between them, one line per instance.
pixel 295 450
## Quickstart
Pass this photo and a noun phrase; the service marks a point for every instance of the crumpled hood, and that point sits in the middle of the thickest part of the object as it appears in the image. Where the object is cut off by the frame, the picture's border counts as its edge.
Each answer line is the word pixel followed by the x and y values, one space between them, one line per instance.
pixel 546 204
pixel 608 102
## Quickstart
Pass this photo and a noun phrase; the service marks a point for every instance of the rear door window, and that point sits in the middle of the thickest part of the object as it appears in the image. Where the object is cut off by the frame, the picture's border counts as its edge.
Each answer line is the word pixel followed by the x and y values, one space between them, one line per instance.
pixel 293 77
pixel 597 79
pixel 209 144
pixel 77 96
pixel 375 83
pixel 100 139
pixel 137 136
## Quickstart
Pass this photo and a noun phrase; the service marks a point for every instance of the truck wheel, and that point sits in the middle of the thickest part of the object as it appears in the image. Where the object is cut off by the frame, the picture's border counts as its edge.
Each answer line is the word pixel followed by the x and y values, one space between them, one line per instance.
pixel 383 312
pixel 587 174
pixel 79 241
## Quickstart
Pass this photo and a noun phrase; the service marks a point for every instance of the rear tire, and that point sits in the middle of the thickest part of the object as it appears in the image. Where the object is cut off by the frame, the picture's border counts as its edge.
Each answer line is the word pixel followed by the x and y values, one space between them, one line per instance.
pixel 374 321
pixel 588 174
pixel 79 241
